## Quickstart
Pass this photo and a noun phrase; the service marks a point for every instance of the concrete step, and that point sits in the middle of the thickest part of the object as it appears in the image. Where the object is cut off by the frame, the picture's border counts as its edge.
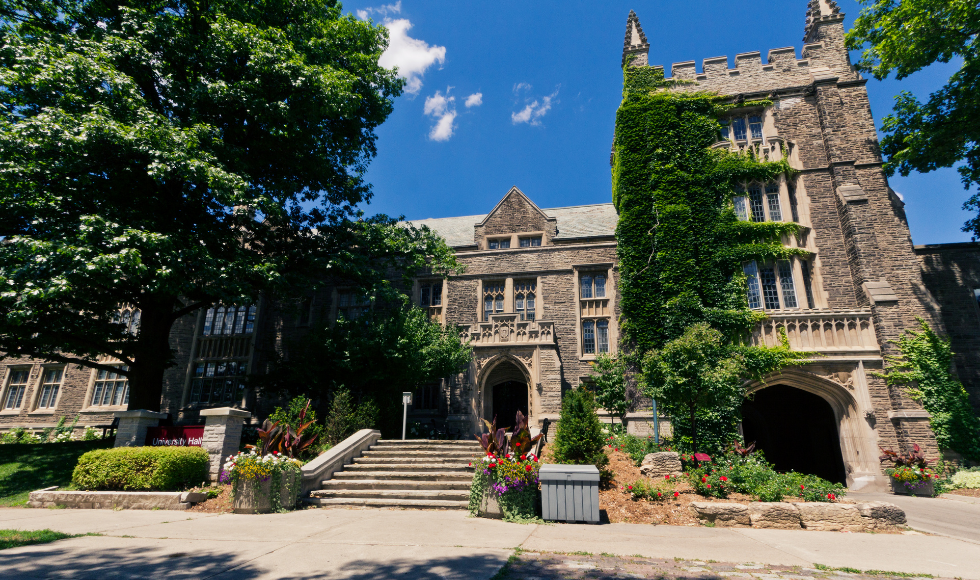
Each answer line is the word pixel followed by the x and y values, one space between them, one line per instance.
pixel 456 476
pixel 408 467
pixel 402 503
pixel 435 459
pixel 427 494
pixel 396 484
pixel 461 454
pixel 427 442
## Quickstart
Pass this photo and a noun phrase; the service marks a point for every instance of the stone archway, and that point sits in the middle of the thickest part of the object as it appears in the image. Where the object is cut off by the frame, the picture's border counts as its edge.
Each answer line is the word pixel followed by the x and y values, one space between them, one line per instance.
pixel 505 385
pixel 796 430
pixel 856 438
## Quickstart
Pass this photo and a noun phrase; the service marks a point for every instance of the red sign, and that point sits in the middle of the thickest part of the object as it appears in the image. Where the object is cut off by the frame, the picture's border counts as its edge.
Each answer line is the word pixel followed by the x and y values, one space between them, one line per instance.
pixel 190 436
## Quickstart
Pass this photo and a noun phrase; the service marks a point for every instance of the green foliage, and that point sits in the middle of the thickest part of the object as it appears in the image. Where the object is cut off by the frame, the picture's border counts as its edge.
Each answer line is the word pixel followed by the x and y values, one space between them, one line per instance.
pixel 681 251
pixel 391 349
pixel 346 417
pixel 700 370
pixel 608 377
pixel 17 538
pixel 656 490
pixel 636 447
pixel 90 434
pixel 753 475
pixel 579 439
pixel 925 367
pixel 142 468
pixel 906 37
pixel 966 479
pixel 26 468
pixel 174 155
pixel 300 419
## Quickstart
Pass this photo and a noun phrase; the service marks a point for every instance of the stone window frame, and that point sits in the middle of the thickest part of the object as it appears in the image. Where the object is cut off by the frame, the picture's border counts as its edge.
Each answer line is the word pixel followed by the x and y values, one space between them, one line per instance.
pixel 767 128
pixel 515 240
pixel 87 405
pixel 436 310
pixel 4 392
pixel 35 408
pixel 774 191
pixel 508 280
pixel 503 292
pixel 794 268
pixel 195 358
pixel 608 269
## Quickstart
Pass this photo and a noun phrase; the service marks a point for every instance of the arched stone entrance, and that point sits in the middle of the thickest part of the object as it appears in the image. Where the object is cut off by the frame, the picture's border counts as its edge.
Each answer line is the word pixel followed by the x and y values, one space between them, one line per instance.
pixel 796 430
pixel 505 391
pixel 856 439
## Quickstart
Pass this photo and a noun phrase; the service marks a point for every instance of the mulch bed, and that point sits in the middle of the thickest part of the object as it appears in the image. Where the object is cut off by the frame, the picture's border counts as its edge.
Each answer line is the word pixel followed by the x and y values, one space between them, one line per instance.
pixel 967 492
pixel 222 504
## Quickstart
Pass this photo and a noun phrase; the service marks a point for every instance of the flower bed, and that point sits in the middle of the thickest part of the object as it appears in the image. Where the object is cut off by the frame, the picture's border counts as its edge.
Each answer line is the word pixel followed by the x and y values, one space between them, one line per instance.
pixel 262 483
pixel 507 483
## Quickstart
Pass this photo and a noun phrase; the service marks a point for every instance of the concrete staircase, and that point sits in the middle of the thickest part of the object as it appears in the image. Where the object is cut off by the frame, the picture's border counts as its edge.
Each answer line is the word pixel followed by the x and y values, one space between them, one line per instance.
pixel 410 474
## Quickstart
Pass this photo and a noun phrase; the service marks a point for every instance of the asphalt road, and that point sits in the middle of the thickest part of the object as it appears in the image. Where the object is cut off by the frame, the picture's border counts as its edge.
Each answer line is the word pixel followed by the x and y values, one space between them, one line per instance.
pixel 957 518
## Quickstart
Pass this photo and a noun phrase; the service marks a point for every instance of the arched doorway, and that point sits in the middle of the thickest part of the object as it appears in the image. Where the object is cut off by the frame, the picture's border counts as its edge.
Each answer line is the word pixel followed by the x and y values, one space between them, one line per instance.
pixel 796 430
pixel 505 390
pixel 508 398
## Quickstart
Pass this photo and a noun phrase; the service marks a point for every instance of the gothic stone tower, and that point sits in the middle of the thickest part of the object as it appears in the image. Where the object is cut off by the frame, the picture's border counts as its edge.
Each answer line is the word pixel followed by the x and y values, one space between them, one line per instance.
pixel 863 287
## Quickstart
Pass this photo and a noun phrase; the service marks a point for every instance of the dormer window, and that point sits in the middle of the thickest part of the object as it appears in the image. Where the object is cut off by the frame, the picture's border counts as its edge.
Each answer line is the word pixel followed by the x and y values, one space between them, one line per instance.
pixel 531 242
pixel 499 244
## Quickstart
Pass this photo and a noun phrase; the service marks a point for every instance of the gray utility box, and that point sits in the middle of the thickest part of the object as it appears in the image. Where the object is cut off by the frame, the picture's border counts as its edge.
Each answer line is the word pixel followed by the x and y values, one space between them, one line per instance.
pixel 570 493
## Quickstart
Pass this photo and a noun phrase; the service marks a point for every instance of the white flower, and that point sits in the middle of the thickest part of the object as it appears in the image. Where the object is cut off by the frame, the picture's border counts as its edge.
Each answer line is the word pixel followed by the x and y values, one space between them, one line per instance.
pixel 101 24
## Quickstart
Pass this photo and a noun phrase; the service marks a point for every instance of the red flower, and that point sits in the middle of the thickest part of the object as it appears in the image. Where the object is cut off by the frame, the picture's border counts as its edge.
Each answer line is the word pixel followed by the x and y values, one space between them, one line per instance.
pixel 666 477
pixel 517 444
pixel 492 465
pixel 723 478
pixel 610 446
pixel 523 457
pixel 527 468
pixel 676 494
pixel 709 486
pixel 704 480
pixel 659 494
pixel 802 487
pixel 831 497
pixel 631 487
pixel 470 464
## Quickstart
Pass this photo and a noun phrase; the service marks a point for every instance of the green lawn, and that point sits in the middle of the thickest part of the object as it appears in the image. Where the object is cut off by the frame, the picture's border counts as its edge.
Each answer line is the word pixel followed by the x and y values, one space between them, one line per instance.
pixel 26 468
pixel 16 538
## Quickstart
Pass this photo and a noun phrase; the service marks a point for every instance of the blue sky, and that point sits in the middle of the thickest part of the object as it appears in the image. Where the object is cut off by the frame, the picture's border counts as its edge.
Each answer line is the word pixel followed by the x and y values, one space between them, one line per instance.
pixel 525 93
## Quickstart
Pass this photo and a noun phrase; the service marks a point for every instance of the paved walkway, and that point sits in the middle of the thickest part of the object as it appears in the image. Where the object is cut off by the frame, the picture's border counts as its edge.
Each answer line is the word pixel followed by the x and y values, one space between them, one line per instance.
pixel 362 544
pixel 956 516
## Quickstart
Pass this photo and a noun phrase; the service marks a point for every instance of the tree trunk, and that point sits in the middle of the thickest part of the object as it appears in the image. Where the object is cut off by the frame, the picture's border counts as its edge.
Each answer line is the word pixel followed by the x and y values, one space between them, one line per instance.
pixel 694 428
pixel 154 355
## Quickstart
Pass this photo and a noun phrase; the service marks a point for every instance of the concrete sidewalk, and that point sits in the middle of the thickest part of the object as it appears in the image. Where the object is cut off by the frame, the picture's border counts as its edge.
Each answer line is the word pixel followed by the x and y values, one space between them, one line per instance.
pixel 956 516
pixel 362 544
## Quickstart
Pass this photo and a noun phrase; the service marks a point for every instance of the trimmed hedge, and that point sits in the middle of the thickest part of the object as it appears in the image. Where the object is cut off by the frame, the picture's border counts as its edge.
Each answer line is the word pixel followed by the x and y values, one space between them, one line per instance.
pixel 142 468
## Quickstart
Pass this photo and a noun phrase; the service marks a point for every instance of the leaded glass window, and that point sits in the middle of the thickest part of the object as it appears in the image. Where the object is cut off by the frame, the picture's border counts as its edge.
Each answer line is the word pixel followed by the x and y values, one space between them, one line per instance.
pixel 755 126
pixel 772 199
pixel 602 336
pixel 738 128
pixel 588 336
pixel 50 385
pixel 493 299
pixel 752 274
pixel 111 389
pixel 524 298
pixel 771 286
pixel 16 387
pixel 786 284
pixel 218 382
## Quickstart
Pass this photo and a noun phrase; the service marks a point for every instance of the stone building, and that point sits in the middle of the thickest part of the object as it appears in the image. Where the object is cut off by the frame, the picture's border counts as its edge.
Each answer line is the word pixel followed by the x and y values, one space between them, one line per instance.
pixel 538 299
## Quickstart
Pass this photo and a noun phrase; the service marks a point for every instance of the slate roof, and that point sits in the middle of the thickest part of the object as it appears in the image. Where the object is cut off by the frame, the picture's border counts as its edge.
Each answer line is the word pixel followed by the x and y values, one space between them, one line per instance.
pixel 580 221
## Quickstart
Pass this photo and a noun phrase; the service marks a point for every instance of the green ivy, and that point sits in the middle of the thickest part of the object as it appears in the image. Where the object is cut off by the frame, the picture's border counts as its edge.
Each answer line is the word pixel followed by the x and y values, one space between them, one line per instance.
pixel 925 366
pixel 680 245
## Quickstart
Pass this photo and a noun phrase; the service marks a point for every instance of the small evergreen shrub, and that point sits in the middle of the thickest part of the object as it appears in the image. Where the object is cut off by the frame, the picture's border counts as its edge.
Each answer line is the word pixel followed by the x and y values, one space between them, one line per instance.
pixel 142 468
pixel 346 417
pixel 579 438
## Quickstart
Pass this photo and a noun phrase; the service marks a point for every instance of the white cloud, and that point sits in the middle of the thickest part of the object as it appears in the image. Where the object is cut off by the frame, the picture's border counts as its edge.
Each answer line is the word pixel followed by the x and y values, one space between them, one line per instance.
pixel 410 55
pixel 474 100
pixel 533 110
pixel 382 10
pixel 518 87
pixel 443 108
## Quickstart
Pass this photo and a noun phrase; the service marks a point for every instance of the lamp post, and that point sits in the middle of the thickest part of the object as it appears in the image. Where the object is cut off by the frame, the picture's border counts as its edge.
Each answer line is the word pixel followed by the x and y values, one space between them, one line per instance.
pixel 656 424
pixel 406 401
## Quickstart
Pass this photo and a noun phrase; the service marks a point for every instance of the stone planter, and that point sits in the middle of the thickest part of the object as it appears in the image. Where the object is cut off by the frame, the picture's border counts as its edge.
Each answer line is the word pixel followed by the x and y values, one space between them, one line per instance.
pixel 254 496
pixel 489 506
pixel 927 489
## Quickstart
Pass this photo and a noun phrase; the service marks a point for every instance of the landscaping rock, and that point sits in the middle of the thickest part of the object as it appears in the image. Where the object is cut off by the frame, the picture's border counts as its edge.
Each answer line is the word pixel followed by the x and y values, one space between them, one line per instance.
pixel 777 515
pixel 722 514
pixel 882 515
pixel 661 464
pixel 132 500
pixel 831 517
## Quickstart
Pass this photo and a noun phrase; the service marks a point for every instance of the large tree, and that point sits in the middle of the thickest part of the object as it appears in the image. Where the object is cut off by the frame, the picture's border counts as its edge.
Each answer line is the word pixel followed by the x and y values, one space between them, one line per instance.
pixel 170 155
pixel 905 36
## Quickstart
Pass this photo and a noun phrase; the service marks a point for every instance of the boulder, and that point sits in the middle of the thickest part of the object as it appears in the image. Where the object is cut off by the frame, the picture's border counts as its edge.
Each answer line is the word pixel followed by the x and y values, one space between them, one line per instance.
pixel 722 514
pixel 881 515
pixel 661 464
pixel 778 515
pixel 831 517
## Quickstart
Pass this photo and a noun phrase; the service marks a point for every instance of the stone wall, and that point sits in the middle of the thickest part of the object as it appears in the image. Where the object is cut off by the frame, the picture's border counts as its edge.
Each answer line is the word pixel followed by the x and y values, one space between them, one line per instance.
pixel 951 272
